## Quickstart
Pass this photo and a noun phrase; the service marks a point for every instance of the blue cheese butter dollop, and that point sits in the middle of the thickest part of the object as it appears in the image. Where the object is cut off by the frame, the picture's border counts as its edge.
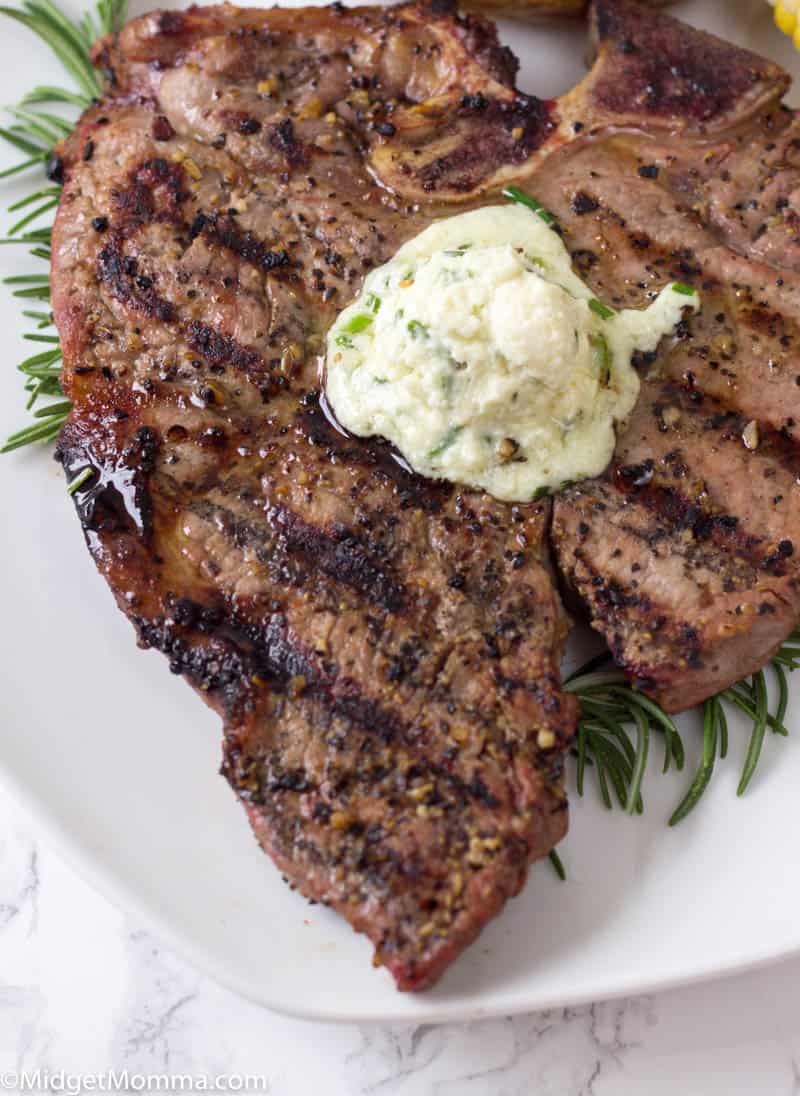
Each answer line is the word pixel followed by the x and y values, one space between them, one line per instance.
pixel 484 358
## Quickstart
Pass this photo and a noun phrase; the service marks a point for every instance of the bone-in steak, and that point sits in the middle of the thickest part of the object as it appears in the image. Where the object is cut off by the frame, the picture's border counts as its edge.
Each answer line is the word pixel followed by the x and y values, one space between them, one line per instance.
pixel 384 650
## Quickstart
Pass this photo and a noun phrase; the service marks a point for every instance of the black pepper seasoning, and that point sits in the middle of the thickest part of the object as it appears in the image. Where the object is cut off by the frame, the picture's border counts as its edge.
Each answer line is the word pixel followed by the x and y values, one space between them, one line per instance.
pixel 55 168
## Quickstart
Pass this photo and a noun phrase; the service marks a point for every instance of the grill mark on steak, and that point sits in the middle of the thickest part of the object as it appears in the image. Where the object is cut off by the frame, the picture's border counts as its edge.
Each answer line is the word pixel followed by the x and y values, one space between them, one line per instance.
pixel 136 203
pixel 223 231
pixel 220 349
pixel 215 665
pixel 238 659
pixel 155 192
pixel 384 724
pixel 240 654
pixel 717 418
pixel 294 548
pixel 340 556
pixel 119 272
pixel 676 511
pixel 609 595
pixel 286 663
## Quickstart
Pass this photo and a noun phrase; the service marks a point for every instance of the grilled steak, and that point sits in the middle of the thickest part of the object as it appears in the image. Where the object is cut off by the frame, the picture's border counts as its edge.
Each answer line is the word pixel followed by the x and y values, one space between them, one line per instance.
pixel 684 550
pixel 383 649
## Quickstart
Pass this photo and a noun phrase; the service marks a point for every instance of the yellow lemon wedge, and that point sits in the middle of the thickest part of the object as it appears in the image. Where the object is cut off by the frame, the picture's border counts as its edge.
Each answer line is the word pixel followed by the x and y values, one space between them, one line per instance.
pixel 787 18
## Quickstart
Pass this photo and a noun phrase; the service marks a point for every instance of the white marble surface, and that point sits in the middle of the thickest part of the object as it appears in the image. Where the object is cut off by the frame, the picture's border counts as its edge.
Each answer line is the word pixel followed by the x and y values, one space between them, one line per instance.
pixel 84 989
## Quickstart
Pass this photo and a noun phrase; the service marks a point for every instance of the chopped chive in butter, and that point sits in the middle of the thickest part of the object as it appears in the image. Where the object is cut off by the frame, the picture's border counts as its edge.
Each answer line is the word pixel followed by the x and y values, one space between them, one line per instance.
pixel 602 353
pixel 519 196
pixel 600 309
pixel 446 442
pixel 357 325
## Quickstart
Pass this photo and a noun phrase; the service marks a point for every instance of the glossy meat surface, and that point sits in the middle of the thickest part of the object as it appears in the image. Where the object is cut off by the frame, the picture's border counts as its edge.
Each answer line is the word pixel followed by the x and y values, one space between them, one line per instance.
pixel 384 650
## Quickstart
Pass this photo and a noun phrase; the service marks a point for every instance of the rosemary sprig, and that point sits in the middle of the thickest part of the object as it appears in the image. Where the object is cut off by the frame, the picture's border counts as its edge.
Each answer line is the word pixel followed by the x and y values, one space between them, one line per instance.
pixel 35 133
pixel 616 723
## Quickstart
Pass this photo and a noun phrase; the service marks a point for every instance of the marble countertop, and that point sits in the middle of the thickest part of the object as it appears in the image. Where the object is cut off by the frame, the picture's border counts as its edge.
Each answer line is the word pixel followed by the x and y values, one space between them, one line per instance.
pixel 84 989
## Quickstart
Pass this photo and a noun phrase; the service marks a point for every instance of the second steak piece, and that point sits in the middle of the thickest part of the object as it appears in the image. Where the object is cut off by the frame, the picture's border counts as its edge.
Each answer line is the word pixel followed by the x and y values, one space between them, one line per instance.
pixel 686 551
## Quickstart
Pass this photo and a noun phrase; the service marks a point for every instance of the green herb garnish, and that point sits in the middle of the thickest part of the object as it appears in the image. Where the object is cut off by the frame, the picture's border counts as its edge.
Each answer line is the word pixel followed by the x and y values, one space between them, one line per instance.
pixel 357 324
pixel 79 480
pixel 602 353
pixel 616 722
pixel 685 290
pixel 558 866
pixel 344 340
pixel 373 302
pixel 417 330
pixel 34 132
pixel 514 194
pixel 600 309
pixel 446 442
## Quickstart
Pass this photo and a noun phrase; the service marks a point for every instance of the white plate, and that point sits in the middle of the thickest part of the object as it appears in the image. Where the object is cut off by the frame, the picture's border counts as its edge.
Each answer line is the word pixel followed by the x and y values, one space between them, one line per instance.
pixel 118 761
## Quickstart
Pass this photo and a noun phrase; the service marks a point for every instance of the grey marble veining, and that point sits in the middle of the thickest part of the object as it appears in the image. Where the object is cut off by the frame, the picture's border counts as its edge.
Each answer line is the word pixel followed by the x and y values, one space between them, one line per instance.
pixel 82 989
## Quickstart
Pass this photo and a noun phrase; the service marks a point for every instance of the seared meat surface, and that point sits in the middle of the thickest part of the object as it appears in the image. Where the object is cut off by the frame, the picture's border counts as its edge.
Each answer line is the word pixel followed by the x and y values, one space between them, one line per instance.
pixel 383 649
pixel 684 551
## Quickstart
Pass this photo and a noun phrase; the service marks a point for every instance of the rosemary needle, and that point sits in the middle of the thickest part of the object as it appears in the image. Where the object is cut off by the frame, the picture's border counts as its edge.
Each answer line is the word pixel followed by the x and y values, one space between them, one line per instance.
pixel 79 480
pixel 722 720
pixel 783 692
pixel 634 802
pixel 706 769
pixel 558 865
pixel 757 736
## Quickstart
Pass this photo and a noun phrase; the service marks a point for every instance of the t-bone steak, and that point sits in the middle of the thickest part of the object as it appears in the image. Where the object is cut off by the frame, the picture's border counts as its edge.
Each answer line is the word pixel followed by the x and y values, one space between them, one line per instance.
pixel 383 649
